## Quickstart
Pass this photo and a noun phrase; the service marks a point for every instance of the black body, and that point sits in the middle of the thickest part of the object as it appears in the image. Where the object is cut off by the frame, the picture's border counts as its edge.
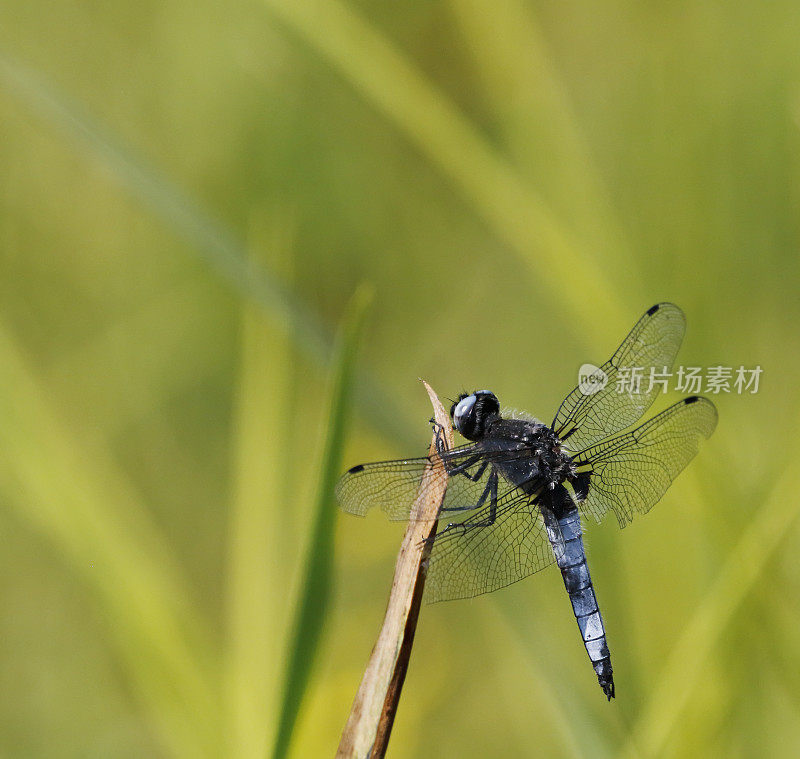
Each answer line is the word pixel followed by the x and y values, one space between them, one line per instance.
pixel 524 487
pixel 540 470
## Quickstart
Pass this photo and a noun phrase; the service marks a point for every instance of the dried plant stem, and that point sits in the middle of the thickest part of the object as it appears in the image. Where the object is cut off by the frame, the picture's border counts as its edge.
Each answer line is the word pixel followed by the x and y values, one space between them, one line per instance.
pixel 369 725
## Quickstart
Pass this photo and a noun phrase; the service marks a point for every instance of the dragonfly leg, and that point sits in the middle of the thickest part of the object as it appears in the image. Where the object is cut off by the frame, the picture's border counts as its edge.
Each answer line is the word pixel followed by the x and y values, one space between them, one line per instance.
pixel 489 490
pixel 441 449
pixel 465 465
pixel 441 442
pixel 490 493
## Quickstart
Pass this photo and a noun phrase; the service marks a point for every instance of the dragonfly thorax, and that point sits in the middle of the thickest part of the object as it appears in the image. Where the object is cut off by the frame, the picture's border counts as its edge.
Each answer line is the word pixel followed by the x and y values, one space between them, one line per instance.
pixel 529 454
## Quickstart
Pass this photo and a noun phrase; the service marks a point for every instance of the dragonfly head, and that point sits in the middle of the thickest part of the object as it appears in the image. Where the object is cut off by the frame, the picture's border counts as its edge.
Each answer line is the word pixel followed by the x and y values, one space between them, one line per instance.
pixel 472 413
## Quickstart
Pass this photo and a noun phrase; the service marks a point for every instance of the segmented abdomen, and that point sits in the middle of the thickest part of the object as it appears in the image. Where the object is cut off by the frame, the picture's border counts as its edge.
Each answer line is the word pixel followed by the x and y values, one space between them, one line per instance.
pixel 571 558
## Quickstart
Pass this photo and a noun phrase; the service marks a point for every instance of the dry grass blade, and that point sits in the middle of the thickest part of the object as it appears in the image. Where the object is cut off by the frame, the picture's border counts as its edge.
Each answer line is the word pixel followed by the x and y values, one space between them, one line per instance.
pixel 372 715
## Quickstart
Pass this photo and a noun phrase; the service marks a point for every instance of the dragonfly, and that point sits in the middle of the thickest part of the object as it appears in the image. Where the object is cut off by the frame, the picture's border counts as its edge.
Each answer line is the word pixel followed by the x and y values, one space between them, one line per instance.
pixel 520 491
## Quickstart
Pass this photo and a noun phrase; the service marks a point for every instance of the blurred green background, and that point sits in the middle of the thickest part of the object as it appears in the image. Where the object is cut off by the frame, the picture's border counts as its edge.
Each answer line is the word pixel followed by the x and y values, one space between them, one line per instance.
pixel 190 193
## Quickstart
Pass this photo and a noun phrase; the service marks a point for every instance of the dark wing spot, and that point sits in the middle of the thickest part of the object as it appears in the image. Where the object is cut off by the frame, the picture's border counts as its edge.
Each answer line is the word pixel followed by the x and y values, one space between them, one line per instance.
pixel 692 399
pixel 653 309
pixel 356 468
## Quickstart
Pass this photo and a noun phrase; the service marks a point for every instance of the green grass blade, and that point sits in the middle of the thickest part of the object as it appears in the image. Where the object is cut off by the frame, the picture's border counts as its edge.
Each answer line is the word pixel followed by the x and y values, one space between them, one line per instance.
pixel 516 212
pixel 316 581
pixel 116 404
pixel 260 538
pixel 744 565
pixel 211 241
pixel 561 706
pixel 67 488
pixel 529 98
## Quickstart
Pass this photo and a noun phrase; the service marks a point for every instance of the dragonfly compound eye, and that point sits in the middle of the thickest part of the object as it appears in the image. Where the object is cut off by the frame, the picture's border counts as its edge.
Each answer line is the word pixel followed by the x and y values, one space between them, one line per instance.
pixel 462 410
pixel 472 413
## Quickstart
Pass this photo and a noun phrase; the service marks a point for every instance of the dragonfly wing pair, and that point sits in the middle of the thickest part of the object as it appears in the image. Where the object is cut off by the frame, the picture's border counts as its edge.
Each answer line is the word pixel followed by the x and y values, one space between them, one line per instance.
pixel 496 538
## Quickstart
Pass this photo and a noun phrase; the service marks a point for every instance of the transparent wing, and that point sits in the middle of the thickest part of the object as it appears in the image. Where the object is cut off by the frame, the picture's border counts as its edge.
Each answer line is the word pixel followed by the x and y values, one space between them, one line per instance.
pixel 631 472
pixel 583 420
pixel 392 486
pixel 474 557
